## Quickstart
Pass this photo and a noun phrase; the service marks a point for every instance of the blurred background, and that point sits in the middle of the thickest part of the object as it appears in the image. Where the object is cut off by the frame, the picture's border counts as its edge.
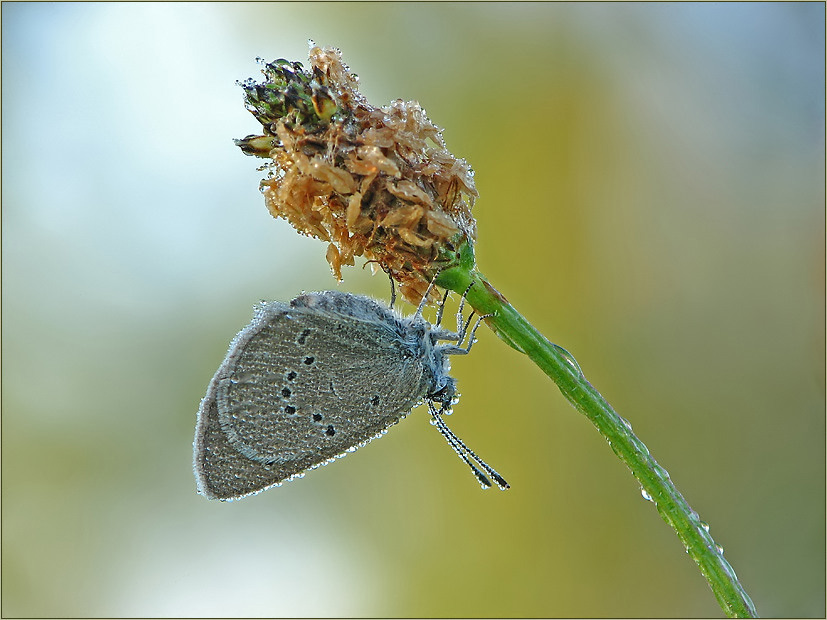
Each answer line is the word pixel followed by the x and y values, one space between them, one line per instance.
pixel 652 199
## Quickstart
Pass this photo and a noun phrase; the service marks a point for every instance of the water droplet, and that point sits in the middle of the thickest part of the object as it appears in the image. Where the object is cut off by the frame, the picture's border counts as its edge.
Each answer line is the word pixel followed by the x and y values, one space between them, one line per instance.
pixel 645 494
pixel 719 549
pixel 569 358
pixel 705 525
pixel 661 473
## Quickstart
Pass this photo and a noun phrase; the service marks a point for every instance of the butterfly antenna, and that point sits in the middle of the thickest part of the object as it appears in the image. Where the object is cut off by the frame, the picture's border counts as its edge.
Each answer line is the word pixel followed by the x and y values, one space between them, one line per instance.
pixel 466 454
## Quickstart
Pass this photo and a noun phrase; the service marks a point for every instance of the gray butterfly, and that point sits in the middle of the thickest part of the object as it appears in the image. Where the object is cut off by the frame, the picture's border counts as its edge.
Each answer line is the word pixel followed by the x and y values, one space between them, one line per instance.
pixel 314 379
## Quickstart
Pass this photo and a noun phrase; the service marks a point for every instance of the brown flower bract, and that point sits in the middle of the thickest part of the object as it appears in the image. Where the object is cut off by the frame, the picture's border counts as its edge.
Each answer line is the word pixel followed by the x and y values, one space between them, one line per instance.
pixel 377 182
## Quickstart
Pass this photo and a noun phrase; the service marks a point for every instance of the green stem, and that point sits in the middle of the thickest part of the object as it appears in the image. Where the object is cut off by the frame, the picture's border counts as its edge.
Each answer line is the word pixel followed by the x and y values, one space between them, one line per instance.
pixel 515 330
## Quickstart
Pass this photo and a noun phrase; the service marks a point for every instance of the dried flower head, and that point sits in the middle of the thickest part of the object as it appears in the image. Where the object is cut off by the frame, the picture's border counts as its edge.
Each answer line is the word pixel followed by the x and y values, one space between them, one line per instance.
pixel 373 182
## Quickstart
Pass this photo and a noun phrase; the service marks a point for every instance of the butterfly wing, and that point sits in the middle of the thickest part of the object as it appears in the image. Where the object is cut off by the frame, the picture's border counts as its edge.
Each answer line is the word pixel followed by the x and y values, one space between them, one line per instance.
pixel 298 388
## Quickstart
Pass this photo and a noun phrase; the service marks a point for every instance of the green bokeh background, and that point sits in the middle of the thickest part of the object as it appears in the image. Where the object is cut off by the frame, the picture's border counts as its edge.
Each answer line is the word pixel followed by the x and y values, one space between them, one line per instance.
pixel 652 199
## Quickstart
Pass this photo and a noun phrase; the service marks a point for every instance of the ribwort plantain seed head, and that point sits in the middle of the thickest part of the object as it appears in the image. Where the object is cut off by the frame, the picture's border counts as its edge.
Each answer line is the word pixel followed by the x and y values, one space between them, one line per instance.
pixel 372 182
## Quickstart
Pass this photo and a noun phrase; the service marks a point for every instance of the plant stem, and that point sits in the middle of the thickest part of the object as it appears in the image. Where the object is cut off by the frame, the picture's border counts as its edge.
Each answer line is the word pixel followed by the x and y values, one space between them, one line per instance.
pixel 515 330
